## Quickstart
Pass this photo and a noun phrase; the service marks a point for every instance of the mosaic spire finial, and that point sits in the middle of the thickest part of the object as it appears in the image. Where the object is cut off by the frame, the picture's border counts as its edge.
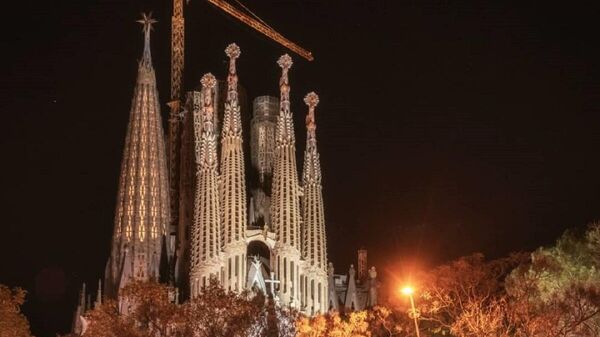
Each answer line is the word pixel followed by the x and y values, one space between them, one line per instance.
pixel 208 82
pixel 285 124
pixel 232 124
pixel 312 100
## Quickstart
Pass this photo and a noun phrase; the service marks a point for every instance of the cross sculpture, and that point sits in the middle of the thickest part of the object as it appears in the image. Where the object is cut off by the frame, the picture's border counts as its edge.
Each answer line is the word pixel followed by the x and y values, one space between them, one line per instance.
pixel 272 283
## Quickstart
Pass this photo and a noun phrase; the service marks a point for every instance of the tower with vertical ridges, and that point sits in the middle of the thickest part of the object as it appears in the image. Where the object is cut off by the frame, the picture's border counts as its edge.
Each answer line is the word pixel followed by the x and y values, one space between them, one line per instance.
pixel 314 242
pixel 285 196
pixel 142 210
pixel 206 229
pixel 233 182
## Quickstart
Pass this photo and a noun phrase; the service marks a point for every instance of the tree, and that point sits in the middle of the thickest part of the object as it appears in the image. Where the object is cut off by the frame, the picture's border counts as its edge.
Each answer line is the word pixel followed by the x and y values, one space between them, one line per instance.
pixel 12 322
pixel 144 310
pixel 385 322
pixel 557 292
pixel 217 312
pixel 332 324
pixel 466 297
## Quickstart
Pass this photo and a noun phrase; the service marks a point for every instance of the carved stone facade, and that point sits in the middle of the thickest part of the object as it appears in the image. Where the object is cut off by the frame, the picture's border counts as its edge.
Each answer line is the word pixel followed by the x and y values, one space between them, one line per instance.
pixel 274 241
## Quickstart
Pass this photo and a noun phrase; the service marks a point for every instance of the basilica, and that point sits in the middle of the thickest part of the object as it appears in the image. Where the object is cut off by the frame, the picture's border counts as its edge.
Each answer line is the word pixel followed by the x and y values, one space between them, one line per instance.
pixel 189 209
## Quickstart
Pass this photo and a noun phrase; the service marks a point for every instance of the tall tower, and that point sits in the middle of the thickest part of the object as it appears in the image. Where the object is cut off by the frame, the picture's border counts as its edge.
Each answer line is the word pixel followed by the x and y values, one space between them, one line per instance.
pixel 262 145
pixel 314 248
pixel 142 210
pixel 233 182
pixel 285 195
pixel 264 120
pixel 206 230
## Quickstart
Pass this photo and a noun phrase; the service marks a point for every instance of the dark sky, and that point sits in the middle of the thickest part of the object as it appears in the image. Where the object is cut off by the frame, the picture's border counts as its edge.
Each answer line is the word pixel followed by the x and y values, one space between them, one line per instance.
pixel 444 127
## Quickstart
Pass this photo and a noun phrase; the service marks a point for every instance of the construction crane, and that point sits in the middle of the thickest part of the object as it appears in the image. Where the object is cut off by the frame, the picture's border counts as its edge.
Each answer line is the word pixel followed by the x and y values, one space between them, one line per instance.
pixel 262 28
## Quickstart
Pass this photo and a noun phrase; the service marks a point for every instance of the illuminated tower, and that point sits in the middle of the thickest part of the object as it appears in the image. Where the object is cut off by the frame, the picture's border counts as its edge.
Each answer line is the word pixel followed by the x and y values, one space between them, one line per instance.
pixel 233 182
pixel 314 248
pixel 262 145
pixel 142 210
pixel 285 195
pixel 206 229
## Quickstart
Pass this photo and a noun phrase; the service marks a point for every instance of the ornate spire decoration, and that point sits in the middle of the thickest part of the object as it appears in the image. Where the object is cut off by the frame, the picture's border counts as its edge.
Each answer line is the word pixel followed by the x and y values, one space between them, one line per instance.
pixel 147 21
pixel 313 230
pixel 285 194
pixel 232 124
pixel 233 180
pixel 206 231
pixel 285 132
pixel 142 211
pixel 312 167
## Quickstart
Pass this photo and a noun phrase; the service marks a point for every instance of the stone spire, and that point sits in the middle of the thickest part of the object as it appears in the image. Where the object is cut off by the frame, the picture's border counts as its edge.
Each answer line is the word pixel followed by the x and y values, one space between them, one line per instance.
pixel 285 208
pixel 233 180
pixel 142 210
pixel 313 230
pixel 206 233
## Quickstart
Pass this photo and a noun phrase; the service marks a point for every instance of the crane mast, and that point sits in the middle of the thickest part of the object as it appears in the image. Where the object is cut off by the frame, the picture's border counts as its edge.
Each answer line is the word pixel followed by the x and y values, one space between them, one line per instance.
pixel 174 137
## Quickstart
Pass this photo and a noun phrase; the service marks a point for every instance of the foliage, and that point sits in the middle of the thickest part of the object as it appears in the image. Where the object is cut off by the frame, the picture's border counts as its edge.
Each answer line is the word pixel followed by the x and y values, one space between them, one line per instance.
pixel 149 312
pixel 332 324
pixel 12 322
pixel 557 293
pixel 220 313
pixel 466 297
pixel 386 322
pixel 145 310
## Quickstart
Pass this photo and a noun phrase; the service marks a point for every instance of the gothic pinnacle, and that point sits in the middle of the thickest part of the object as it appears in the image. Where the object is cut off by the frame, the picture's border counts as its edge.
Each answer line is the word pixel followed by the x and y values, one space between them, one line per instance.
pixel 312 100
pixel 285 123
pixel 208 82
pixel 208 155
pixel 232 179
pixel 232 124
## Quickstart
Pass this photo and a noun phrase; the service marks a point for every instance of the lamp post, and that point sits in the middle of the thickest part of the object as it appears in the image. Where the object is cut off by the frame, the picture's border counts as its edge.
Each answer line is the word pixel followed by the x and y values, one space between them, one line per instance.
pixel 414 314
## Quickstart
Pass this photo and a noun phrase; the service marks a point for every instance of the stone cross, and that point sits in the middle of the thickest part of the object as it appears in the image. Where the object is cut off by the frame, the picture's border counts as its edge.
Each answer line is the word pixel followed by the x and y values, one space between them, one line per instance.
pixel 272 283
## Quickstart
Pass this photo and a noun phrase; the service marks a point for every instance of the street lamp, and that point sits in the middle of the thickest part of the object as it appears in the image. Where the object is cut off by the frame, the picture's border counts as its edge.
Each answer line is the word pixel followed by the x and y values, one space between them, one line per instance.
pixel 413 313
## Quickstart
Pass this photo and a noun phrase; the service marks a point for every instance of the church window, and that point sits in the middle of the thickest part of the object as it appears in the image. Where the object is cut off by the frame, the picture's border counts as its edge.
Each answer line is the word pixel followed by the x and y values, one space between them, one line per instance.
pixel 237 265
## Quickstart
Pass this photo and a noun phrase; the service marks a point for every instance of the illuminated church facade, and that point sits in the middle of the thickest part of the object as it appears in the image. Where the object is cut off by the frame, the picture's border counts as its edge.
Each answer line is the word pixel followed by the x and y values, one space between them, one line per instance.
pixel 187 211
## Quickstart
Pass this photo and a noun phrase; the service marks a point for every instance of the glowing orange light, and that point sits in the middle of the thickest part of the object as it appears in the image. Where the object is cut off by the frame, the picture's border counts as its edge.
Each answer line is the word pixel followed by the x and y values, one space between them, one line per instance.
pixel 407 291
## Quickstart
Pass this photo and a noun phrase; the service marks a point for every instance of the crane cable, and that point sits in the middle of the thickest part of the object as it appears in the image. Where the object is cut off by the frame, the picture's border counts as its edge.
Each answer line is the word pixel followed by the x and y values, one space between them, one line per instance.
pixel 252 13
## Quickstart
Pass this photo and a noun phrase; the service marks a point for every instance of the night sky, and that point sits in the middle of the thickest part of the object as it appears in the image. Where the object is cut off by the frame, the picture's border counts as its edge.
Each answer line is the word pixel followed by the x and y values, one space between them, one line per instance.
pixel 444 127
